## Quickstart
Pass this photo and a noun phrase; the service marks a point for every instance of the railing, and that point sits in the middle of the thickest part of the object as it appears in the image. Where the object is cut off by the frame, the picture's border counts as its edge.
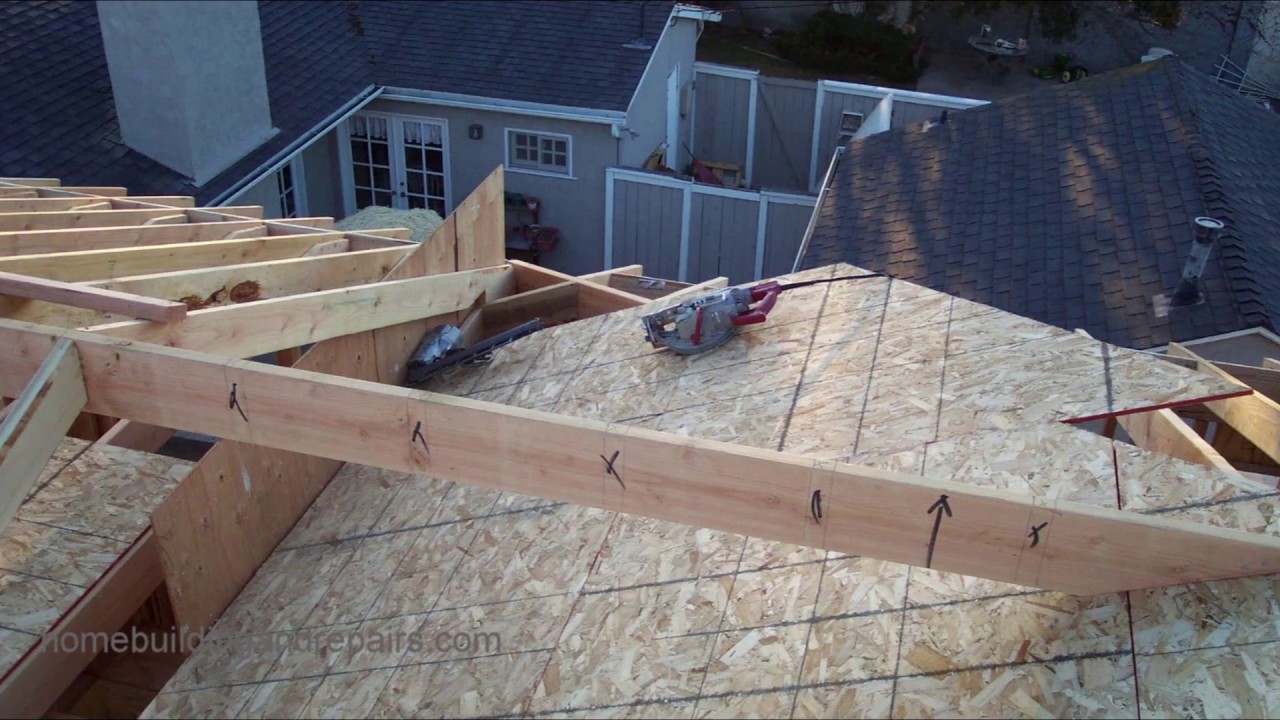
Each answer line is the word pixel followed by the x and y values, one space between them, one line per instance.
pixel 1237 78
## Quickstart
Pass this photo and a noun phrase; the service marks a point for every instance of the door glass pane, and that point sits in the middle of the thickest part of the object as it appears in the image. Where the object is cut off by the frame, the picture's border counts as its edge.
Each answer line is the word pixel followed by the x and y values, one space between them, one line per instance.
pixel 381 178
pixel 364 198
pixel 360 151
pixel 435 161
pixel 435 185
pixel 412 157
pixel 415 182
pixel 362 175
pixel 436 204
pixel 383 199
pixel 417 202
pixel 380 156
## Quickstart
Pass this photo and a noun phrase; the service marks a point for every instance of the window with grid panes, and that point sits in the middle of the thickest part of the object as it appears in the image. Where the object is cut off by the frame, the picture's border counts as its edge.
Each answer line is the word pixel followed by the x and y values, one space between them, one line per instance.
pixel 538 151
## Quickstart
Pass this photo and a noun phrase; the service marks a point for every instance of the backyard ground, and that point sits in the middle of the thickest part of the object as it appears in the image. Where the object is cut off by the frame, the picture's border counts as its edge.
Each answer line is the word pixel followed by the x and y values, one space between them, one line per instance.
pixel 945 73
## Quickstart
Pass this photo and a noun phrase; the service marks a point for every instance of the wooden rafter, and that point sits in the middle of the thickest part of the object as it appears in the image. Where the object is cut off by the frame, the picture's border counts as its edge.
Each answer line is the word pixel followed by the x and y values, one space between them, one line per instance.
pixel 255 328
pixel 1164 432
pixel 57 241
pixel 1086 550
pixel 1255 417
pixel 91 298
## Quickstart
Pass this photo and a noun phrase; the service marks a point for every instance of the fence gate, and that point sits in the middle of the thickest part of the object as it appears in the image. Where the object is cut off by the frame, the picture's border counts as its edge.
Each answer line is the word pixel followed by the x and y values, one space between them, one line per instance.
pixel 692 232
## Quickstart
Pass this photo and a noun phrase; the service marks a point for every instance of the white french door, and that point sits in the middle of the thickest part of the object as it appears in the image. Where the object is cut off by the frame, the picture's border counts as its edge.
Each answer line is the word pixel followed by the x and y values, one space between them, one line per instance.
pixel 397 162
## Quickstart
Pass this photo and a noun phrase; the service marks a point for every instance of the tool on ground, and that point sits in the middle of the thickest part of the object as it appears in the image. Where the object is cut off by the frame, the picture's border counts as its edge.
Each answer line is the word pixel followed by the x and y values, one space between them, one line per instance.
pixel 708 321
pixel 440 350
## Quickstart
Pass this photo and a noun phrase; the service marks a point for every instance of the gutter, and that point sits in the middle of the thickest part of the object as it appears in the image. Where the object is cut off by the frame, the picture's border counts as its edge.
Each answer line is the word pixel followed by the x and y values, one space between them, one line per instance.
pixel 817 208
pixel 286 155
pixel 515 107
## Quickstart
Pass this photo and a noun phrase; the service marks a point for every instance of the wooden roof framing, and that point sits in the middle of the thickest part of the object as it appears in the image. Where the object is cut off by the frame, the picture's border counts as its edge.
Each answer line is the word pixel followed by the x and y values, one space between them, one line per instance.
pixel 364 300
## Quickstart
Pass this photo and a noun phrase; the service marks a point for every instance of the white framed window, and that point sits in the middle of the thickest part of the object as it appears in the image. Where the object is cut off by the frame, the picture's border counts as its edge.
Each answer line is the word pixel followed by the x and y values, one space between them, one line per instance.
pixel 850 123
pixel 542 153
pixel 291 187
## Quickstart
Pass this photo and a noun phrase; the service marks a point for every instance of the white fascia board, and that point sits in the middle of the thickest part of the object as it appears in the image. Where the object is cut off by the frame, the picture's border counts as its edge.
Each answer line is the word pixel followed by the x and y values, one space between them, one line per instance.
pixel 725 70
pixel 513 107
pixel 692 12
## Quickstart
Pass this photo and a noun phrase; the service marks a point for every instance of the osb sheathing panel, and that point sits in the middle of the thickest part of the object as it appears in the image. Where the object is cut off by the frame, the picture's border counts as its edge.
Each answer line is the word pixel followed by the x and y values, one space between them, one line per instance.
pixel 606 615
pixel 88 505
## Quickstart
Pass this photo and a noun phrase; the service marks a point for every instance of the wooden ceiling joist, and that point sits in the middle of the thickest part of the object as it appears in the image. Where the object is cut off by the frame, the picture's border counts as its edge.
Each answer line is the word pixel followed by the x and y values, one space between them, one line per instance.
pixel 38 242
pixel 1164 432
pixel 90 265
pixel 1086 550
pixel 18 221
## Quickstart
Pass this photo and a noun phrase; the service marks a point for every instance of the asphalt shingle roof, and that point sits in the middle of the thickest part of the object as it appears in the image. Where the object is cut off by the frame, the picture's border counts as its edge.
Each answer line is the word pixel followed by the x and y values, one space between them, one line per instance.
pixel 558 52
pixel 59 119
pixel 1074 205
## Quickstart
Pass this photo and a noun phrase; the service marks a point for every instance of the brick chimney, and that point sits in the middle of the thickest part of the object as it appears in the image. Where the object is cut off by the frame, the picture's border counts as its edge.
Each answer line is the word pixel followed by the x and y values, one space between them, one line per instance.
pixel 189 81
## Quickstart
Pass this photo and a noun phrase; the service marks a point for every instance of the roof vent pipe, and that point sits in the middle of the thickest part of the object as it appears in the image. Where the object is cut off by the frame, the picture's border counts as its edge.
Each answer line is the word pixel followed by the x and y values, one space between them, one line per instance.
pixel 639 43
pixel 1188 292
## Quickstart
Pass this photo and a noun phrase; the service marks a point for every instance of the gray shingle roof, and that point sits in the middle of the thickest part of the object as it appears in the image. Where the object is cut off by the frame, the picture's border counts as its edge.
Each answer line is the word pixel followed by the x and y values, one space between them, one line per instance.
pixel 59 119
pixel 1074 205
pixel 556 52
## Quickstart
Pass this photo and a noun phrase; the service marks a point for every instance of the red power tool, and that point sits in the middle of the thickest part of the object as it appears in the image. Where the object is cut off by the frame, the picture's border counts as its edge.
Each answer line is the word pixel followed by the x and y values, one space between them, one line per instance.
pixel 709 321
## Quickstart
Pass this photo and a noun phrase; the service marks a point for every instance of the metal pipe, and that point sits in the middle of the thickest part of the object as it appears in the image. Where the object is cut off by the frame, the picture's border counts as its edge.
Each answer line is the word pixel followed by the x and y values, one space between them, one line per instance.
pixel 1206 234
pixel 813 219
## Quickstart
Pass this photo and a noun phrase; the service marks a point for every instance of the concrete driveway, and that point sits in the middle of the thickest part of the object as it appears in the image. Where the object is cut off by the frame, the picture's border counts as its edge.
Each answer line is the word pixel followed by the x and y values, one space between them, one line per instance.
pixel 970 75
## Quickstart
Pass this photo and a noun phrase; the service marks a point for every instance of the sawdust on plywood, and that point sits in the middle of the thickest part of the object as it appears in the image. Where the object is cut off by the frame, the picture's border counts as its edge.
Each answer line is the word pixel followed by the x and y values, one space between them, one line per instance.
pixel 420 222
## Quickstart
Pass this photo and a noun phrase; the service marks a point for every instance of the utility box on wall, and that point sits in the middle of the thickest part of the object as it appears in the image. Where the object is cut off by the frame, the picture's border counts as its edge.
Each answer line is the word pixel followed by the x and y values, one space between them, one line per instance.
pixel 475 132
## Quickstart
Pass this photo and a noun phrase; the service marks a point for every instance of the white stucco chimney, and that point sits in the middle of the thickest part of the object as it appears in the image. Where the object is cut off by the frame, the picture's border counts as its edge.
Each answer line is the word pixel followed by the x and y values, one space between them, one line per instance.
pixel 189 80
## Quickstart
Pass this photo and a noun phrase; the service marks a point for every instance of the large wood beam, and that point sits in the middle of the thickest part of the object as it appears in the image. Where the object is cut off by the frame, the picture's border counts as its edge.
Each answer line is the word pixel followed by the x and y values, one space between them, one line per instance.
pixel 1164 432
pixel 36 422
pixel 1083 549
pixel 90 265
pixel 1255 417
pixel 57 241
pixel 91 298
pixel 554 304
pixel 265 326
pixel 31 686
pixel 102 218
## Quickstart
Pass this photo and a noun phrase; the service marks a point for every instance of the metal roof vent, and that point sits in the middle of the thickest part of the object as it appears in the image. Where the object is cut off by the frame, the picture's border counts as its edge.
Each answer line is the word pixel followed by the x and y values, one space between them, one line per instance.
pixel 1188 292
pixel 640 43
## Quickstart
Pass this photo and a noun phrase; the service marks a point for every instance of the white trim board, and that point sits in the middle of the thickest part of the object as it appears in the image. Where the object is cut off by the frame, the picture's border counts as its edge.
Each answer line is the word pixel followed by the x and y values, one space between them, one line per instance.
pixel 513 107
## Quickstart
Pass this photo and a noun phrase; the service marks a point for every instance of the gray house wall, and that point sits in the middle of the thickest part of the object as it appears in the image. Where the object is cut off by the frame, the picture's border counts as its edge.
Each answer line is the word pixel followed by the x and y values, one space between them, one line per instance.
pixel 323 177
pixel 573 204
pixel 266 193
pixel 647 115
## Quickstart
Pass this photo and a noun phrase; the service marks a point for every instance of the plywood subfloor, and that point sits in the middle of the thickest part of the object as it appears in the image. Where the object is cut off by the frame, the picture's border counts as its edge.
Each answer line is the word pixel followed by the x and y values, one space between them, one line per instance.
pixel 523 607
pixel 90 503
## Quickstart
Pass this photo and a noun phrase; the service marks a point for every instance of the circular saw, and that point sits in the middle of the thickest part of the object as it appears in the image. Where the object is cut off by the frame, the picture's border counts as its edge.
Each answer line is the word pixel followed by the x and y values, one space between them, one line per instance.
pixel 709 321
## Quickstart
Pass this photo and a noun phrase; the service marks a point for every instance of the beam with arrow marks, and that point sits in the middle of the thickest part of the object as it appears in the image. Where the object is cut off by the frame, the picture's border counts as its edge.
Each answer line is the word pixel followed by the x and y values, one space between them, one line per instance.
pixel 988 533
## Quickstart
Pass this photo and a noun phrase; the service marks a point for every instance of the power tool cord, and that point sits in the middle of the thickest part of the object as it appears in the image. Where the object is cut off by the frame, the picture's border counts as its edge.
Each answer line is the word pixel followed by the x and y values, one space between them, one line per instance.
pixel 807 283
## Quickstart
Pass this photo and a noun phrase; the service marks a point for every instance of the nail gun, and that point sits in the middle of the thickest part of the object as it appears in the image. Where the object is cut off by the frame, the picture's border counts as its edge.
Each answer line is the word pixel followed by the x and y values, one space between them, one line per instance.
pixel 709 321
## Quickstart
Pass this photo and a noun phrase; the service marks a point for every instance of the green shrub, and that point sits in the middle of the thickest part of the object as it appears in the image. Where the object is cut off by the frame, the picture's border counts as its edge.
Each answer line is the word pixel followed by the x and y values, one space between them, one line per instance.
pixel 832 42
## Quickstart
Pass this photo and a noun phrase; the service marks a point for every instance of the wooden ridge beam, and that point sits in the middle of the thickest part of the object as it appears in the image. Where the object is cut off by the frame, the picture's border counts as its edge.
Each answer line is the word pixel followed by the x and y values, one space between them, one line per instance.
pixel 1083 549
pixel 1255 417
pixel 266 326
pixel 55 241
pixel 90 265
pixel 99 218
pixel 1164 432
pixel 91 298
pixel 36 423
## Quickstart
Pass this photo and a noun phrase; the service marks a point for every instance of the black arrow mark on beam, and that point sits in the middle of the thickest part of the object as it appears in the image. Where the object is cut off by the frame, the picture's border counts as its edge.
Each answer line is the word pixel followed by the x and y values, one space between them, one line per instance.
pixel 940 506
